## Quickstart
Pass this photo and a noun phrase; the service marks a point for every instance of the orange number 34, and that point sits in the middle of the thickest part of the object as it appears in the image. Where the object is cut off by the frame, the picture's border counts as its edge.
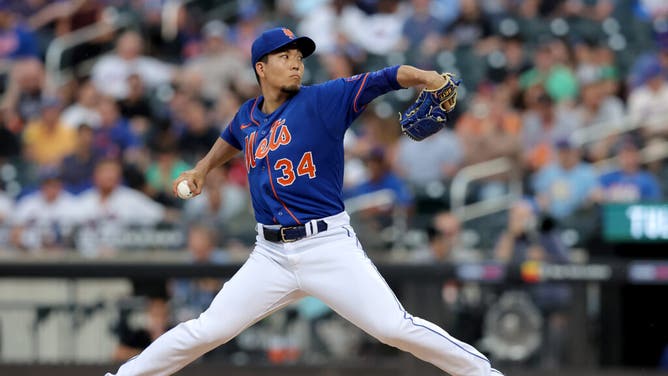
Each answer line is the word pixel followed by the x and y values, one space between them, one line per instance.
pixel 304 167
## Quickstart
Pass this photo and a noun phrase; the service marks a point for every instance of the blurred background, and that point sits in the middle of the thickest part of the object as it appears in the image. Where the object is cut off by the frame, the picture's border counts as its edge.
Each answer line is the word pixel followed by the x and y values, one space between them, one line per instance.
pixel 535 226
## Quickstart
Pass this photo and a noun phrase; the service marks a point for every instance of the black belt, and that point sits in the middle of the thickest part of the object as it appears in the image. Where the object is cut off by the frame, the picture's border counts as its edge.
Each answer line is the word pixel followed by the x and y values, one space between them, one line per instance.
pixel 287 234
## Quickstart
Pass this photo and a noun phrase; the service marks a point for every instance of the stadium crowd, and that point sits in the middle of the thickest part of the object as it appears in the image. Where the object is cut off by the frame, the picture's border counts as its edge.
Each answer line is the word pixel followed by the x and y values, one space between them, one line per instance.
pixel 89 146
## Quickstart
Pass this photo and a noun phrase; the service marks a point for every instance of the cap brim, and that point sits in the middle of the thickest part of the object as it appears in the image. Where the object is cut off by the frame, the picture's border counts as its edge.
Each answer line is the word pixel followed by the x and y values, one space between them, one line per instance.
pixel 305 45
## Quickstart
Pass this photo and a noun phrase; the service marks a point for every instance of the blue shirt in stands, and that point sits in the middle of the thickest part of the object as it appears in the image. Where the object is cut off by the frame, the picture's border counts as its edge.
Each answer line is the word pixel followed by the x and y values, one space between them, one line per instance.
pixel 389 181
pixel 567 190
pixel 17 42
pixel 624 187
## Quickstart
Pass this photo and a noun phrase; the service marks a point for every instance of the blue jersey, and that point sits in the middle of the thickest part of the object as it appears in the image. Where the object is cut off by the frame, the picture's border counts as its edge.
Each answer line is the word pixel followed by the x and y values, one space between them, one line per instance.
pixel 624 187
pixel 294 156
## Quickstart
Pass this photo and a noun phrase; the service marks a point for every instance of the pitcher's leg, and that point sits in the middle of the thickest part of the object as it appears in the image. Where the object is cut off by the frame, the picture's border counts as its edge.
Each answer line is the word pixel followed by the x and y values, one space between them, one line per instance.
pixel 260 287
pixel 350 284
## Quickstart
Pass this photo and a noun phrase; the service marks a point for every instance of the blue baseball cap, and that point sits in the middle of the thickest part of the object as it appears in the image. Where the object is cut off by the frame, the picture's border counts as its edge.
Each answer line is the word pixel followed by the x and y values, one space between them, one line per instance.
pixel 564 143
pixel 273 39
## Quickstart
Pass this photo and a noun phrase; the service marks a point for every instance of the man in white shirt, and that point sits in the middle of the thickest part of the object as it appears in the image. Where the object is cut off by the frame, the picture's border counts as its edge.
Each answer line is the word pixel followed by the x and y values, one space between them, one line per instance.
pixel 44 219
pixel 110 74
pixel 109 207
pixel 84 110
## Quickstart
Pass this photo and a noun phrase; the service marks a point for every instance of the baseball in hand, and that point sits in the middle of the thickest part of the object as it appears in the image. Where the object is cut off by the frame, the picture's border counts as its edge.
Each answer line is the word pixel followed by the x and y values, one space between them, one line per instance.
pixel 183 190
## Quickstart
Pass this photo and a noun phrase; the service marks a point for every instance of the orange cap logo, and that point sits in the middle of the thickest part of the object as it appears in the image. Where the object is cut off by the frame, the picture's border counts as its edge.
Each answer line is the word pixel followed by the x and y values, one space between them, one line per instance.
pixel 289 33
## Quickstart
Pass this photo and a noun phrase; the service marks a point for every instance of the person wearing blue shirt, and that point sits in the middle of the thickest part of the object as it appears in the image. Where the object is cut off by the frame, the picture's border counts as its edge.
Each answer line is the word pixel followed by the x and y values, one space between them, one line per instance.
pixel 565 185
pixel 114 138
pixel 629 183
pixel 16 40
pixel 381 177
pixel 291 138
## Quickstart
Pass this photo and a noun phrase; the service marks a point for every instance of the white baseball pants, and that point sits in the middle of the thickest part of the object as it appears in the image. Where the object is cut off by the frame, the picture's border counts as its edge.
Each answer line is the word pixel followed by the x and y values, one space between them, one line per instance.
pixel 331 266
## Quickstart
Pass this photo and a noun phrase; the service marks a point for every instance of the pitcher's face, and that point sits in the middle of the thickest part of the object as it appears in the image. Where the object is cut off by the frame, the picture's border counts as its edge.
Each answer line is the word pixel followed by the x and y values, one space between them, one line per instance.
pixel 283 70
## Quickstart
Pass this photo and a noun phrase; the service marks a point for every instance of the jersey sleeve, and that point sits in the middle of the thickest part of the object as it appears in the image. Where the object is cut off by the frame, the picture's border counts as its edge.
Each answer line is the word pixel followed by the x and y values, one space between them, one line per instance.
pixel 340 101
pixel 228 133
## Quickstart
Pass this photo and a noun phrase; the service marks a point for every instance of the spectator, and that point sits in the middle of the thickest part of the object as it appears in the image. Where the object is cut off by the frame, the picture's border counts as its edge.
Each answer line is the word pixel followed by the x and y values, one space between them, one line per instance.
pixel 445 242
pixel 133 340
pixel 648 102
pixel 110 74
pixel 84 110
pixel 47 140
pixel 565 185
pixel 375 129
pixel 16 40
pixel 381 201
pixel 642 65
pixel 513 64
pixel 136 106
pixel 108 207
pixel 489 129
pixel 527 239
pixel 557 79
pixel 472 29
pixel 250 24
pixel 543 124
pixel 199 134
pixel 337 65
pixel 629 183
pixel 23 96
pixel 226 107
pixel 43 220
pixel 164 169
pixel 381 178
pixel 442 152
pixel 114 138
pixel 77 168
pixel 220 63
pixel 606 59
pixel 219 202
pixel 190 296
pixel 191 83
pixel 421 34
pixel 601 110
pixel 585 65
pixel 596 106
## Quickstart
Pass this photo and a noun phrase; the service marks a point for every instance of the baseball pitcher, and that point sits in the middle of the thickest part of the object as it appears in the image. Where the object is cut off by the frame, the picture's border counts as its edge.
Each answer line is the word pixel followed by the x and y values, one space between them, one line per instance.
pixel 292 141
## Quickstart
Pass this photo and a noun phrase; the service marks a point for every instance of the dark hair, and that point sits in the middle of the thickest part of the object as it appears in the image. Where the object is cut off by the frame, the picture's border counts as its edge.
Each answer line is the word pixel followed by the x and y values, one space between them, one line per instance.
pixel 84 127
